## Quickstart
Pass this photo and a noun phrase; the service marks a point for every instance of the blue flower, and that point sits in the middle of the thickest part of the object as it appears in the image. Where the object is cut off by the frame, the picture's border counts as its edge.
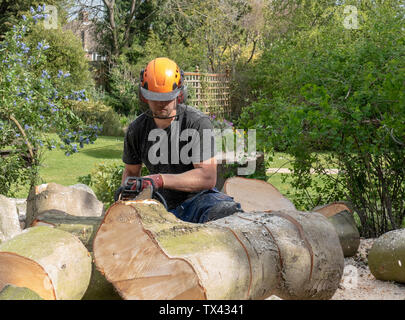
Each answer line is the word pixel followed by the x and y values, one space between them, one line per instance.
pixel 40 45
pixel 46 47
pixel 39 9
pixel 32 10
pixel 17 135
pixel 24 17
pixel 41 116
pixel 60 73
pixel 27 127
pixel 66 75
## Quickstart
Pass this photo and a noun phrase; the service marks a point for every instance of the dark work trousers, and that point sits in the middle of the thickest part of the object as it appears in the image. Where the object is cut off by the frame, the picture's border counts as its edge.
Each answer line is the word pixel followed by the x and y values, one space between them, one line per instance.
pixel 205 206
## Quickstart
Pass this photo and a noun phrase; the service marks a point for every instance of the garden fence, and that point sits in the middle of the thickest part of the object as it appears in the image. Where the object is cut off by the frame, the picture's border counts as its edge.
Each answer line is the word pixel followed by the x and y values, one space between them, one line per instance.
pixel 209 92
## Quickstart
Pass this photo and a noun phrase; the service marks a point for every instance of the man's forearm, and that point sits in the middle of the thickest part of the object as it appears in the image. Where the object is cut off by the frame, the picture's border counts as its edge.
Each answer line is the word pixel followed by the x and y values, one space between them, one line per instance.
pixel 194 180
pixel 131 171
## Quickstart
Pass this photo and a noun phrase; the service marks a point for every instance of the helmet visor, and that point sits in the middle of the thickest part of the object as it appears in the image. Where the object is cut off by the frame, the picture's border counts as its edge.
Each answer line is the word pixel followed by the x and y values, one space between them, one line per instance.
pixel 160 96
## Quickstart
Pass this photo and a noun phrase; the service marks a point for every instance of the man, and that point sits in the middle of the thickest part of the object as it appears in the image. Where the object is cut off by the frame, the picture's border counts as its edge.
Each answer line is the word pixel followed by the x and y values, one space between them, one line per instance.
pixel 163 137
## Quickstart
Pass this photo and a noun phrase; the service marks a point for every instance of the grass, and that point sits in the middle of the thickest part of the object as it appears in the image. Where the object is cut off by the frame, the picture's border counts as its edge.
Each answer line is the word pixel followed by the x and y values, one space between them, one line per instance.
pixel 58 168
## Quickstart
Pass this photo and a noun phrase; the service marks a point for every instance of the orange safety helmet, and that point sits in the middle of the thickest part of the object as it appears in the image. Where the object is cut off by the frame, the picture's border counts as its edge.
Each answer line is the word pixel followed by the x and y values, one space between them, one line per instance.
pixel 162 80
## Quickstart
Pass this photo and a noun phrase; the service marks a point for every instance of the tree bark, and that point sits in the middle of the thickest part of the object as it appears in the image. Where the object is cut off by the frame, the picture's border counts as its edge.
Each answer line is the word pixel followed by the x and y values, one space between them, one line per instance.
pixel 10 292
pixel 147 253
pixel 70 200
pixel 84 228
pixel 50 262
pixel 9 221
pixel 386 258
pixel 340 215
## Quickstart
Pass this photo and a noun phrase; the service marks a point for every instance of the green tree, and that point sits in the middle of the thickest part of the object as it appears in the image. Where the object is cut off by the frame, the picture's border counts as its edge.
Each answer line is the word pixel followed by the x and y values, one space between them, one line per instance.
pixel 326 86
pixel 33 105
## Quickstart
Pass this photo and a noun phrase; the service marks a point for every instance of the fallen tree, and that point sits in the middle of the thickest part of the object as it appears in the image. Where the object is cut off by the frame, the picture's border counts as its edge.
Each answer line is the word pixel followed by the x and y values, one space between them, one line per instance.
pixel 341 216
pixel 147 253
pixel 386 258
pixel 51 262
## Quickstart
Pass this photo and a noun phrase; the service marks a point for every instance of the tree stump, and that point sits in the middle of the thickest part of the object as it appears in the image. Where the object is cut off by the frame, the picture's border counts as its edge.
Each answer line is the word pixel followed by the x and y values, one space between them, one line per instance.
pixel 147 253
pixel 51 262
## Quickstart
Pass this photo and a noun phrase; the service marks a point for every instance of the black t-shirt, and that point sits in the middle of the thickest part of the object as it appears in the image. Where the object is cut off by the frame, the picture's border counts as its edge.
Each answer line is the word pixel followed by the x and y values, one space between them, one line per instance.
pixel 188 139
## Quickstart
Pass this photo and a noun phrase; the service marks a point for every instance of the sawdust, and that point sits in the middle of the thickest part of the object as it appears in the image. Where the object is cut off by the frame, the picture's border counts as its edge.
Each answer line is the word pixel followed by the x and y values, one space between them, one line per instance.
pixel 359 284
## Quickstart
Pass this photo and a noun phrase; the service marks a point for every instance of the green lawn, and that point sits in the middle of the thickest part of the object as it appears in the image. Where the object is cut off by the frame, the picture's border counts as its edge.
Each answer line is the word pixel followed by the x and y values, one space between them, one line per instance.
pixel 66 170
pixel 57 167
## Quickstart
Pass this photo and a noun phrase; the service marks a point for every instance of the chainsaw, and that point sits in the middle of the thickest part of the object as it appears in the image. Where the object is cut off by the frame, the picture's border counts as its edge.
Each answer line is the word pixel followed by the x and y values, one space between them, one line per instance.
pixel 132 190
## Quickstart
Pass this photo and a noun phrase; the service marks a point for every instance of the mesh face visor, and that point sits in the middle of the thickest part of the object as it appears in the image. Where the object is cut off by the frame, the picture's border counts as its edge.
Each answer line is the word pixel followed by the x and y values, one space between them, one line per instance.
pixel 160 96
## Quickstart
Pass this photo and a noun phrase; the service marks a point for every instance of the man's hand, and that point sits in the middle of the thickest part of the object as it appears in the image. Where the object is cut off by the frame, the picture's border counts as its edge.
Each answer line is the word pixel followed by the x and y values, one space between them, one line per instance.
pixel 157 181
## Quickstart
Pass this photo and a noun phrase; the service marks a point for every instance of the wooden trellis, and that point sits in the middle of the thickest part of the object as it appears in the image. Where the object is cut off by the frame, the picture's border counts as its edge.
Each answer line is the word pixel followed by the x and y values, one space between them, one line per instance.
pixel 209 92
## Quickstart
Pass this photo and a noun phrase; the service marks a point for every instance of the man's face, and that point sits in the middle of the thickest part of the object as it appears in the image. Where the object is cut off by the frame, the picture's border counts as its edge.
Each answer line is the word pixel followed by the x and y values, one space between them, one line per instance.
pixel 162 108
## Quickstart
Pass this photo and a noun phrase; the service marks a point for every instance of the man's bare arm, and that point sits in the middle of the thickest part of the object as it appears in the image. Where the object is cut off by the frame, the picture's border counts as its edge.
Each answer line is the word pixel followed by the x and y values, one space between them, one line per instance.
pixel 131 170
pixel 202 177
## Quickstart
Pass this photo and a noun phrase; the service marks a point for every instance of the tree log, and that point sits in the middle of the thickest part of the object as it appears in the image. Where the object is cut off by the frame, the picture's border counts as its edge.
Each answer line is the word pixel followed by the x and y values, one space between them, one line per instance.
pixel 266 196
pixel 9 222
pixel 51 262
pixel 71 200
pixel 10 292
pixel 386 258
pixel 99 288
pixel 340 215
pixel 84 228
pixel 147 253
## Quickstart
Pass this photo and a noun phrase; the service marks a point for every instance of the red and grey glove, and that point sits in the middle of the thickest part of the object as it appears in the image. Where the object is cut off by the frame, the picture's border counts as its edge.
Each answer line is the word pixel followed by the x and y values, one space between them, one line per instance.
pixel 157 181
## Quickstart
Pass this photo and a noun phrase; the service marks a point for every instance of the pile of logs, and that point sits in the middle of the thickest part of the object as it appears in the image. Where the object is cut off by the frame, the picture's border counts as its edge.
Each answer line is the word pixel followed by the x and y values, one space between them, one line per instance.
pixel 73 249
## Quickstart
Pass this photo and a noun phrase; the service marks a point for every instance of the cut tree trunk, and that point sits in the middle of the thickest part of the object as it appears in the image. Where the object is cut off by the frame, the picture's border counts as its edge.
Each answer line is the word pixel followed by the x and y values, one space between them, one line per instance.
pixel 147 253
pixel 70 200
pixel 84 228
pixel 51 262
pixel 386 258
pixel 9 222
pixel 10 292
pixel 266 196
pixel 341 216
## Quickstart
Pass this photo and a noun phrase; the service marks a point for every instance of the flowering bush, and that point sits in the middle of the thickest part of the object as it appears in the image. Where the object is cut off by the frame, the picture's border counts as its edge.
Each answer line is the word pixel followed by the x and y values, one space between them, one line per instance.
pixel 32 106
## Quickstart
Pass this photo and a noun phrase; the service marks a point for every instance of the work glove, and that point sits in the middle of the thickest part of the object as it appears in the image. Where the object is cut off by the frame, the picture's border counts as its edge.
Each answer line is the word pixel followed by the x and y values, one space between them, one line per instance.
pixel 157 181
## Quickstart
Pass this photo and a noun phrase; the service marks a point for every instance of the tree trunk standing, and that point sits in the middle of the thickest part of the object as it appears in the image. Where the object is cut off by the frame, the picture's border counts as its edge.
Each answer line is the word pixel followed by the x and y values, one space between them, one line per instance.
pixel 340 215
pixel 147 253
pixel 50 262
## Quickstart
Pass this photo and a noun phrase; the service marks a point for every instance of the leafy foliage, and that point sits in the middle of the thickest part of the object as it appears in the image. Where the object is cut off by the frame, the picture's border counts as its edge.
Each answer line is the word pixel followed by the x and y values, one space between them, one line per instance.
pixel 32 105
pixel 105 179
pixel 341 89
